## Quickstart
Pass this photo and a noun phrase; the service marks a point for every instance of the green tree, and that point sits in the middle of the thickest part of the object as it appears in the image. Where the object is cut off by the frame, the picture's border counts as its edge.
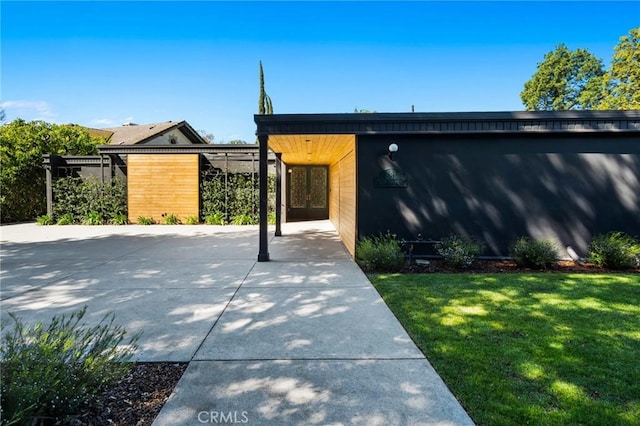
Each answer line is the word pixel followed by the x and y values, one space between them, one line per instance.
pixel 622 80
pixel 207 136
pixel 22 177
pixel 238 142
pixel 264 101
pixel 565 80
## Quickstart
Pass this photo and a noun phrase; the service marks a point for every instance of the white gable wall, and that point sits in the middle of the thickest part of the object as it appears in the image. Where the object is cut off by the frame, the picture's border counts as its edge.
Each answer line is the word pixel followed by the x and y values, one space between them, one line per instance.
pixel 165 139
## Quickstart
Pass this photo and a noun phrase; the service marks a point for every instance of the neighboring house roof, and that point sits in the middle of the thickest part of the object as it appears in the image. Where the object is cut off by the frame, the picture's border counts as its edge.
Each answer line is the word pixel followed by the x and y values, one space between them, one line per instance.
pixel 134 134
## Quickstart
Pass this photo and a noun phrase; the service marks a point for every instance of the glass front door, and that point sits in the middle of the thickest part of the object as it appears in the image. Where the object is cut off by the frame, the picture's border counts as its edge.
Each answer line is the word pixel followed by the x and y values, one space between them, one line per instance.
pixel 308 194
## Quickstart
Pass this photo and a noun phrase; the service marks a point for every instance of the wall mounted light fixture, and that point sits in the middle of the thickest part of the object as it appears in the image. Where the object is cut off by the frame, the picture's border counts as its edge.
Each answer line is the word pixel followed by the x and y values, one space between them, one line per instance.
pixel 392 148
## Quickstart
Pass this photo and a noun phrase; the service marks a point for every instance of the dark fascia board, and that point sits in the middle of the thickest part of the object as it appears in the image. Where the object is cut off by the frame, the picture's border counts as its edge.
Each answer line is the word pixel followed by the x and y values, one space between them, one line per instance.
pixel 179 149
pixel 82 160
pixel 450 122
pixel 191 134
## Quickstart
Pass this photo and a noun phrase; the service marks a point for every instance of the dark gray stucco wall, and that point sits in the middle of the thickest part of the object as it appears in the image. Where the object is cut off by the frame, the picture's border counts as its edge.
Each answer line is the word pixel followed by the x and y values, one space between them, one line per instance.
pixel 564 187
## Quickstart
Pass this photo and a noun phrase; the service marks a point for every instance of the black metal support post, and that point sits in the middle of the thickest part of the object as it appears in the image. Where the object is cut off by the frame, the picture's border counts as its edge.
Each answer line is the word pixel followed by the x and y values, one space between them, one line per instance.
pixel 111 170
pixel 263 253
pixel 102 169
pixel 49 160
pixel 278 194
pixel 226 187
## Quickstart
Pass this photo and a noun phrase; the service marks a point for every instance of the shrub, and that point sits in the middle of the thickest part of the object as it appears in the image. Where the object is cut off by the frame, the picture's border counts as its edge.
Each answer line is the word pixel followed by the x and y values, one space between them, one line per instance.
pixel 216 218
pixel 243 199
pixel 192 220
pixel 459 252
pixel 80 197
pixel 244 219
pixel 22 176
pixel 238 196
pixel 50 372
pixel 380 253
pixel 92 218
pixel 212 192
pixel 271 218
pixel 530 253
pixel 66 219
pixel 171 219
pixel 119 219
pixel 44 220
pixel 615 250
pixel 143 220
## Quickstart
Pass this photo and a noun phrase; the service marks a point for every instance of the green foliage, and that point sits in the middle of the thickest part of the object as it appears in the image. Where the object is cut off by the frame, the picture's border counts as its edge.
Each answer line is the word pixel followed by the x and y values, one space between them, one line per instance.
pixel 80 197
pixel 213 194
pixel 216 218
pixel 530 253
pixel 244 219
pixel 239 197
pixel 264 101
pixel 171 219
pixel 44 220
pixel 380 253
pixel 243 199
pixel 192 220
pixel 615 250
pixel 565 80
pixel 143 220
pixel 92 218
pixel 271 218
pixel 622 81
pixel 50 372
pixel 22 176
pixel 576 79
pixel 66 219
pixel 119 219
pixel 459 252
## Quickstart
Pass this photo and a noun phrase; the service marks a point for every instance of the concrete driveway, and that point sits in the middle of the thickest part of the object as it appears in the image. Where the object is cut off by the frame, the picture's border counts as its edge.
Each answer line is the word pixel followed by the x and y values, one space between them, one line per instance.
pixel 303 339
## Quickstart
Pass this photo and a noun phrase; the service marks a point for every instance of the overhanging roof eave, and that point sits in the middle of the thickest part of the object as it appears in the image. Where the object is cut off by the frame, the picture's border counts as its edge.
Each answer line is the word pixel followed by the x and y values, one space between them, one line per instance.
pixel 450 123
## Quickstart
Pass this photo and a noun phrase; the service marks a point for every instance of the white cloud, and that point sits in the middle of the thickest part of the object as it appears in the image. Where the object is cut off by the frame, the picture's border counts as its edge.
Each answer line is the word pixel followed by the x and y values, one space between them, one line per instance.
pixel 107 122
pixel 28 110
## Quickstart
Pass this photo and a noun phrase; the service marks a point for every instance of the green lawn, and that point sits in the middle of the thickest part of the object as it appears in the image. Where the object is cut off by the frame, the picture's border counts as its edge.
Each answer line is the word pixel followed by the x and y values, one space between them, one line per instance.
pixel 516 349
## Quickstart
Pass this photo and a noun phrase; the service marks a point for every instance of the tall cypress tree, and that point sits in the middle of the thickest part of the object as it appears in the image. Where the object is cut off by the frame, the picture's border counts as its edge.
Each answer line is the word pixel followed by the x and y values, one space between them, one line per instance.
pixel 264 101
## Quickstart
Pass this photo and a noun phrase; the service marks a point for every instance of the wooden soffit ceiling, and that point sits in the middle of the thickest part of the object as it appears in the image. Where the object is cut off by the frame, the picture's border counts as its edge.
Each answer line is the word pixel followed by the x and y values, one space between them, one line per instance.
pixel 312 149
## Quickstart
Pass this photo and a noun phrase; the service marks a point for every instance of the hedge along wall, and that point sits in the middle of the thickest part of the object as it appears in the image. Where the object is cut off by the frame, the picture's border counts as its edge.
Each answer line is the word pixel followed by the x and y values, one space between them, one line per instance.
pixel 163 184
pixel 232 195
pixel 228 182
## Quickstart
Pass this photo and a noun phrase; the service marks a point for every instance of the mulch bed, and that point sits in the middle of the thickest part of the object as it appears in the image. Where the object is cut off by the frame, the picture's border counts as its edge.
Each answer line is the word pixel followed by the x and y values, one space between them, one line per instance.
pixel 137 398
pixel 509 266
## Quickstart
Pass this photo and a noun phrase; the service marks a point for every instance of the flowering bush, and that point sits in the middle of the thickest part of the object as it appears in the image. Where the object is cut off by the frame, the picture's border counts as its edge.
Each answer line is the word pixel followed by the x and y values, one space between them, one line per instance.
pixel 459 252
pixel 51 372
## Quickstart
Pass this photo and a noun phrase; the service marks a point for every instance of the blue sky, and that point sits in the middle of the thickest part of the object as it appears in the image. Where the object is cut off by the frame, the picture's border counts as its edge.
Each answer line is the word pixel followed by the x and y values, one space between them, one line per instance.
pixel 100 64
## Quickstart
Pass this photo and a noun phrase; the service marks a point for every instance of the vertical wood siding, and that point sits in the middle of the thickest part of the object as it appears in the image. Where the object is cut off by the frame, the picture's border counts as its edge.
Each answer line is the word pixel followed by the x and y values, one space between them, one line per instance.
pixel 342 201
pixel 160 184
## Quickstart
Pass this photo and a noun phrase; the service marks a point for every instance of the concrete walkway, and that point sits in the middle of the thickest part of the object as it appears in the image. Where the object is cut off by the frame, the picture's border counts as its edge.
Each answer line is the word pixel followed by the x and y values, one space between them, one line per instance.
pixel 304 339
